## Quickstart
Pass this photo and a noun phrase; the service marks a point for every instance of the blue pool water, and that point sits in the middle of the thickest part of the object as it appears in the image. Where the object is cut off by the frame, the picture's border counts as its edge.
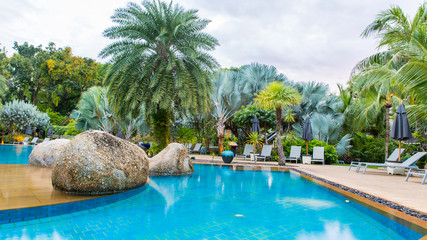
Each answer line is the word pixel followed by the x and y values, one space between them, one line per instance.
pixel 15 154
pixel 219 203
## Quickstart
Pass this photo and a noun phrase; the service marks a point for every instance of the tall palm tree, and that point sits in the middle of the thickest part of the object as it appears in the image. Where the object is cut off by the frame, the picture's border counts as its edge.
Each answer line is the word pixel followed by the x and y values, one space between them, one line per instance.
pixel 382 72
pixel 160 60
pixel 277 95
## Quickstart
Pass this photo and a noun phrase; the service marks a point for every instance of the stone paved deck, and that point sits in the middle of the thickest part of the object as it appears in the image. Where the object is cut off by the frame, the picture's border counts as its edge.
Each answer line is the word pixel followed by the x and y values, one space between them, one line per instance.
pixel 378 183
pixel 24 186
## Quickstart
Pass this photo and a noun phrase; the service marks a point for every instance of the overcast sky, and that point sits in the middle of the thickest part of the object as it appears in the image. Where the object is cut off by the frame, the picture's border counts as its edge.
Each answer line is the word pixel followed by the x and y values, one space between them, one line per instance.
pixel 307 40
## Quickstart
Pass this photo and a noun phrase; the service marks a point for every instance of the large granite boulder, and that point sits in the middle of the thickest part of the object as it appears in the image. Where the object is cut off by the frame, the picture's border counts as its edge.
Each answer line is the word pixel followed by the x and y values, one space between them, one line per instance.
pixel 96 162
pixel 44 154
pixel 173 160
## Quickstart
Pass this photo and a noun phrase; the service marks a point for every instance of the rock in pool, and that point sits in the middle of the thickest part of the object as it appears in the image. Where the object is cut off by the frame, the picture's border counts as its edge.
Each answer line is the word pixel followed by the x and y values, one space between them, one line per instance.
pixel 173 160
pixel 44 154
pixel 96 162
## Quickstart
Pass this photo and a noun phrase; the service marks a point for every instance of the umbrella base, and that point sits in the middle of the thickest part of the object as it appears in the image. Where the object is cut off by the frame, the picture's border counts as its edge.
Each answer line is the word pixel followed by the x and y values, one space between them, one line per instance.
pixel 395 171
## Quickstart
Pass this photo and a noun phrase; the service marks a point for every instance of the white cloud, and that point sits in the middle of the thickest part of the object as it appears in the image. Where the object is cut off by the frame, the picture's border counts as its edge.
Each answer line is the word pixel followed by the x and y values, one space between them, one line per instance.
pixel 307 40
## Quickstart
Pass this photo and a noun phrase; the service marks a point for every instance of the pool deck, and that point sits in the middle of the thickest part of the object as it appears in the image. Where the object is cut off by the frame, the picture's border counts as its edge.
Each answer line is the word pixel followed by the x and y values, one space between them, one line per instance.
pixel 23 186
pixel 374 182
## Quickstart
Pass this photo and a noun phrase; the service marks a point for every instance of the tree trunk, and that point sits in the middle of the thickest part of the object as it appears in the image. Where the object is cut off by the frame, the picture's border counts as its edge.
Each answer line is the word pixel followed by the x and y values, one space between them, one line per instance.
pixel 220 131
pixel 161 128
pixel 387 127
pixel 279 137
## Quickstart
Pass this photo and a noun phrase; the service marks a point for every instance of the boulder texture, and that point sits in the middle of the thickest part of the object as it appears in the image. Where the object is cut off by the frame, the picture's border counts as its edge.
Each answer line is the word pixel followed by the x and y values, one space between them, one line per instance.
pixel 173 160
pixel 44 154
pixel 96 162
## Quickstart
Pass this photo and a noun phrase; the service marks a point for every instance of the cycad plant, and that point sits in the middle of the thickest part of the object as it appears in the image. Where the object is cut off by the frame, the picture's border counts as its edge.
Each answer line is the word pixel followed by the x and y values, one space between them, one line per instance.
pixel 255 139
pixel 160 60
pixel 277 95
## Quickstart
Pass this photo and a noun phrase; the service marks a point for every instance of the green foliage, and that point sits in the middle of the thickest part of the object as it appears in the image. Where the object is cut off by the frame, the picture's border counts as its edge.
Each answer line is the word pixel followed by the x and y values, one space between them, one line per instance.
pixel 59 130
pixel 55 117
pixel 18 114
pixel 256 140
pixel 331 155
pixel 160 121
pixel 50 78
pixel 243 118
pixel 160 58
pixel 8 138
pixel 186 135
pixel 371 149
pixel 94 111
pixel 71 129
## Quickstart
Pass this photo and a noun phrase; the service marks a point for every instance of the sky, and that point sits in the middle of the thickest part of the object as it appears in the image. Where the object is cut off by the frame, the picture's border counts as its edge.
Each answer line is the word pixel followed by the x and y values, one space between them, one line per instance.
pixel 307 40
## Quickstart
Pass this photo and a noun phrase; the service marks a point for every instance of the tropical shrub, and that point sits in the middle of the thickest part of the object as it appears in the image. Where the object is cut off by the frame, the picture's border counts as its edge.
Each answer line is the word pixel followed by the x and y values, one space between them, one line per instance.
pixel 243 118
pixel 186 135
pixel 331 155
pixel 71 129
pixel 59 130
pixel 55 117
pixel 18 114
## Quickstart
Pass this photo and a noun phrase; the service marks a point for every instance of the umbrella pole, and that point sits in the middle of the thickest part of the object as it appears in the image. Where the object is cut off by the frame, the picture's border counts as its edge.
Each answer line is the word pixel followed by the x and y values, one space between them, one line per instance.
pixel 399 148
pixel 306 142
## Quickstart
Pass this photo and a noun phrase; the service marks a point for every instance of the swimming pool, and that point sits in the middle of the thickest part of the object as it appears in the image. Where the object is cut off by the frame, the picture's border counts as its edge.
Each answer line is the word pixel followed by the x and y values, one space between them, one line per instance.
pixel 219 203
pixel 15 154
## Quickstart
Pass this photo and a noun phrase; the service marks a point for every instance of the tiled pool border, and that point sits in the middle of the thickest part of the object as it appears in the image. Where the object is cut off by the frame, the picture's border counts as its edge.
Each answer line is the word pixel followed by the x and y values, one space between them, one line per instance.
pixel 31 213
pixel 399 214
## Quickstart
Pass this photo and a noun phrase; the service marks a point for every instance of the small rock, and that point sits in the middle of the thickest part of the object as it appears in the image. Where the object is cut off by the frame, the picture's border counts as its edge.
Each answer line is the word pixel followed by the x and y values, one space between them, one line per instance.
pixel 173 160
pixel 44 154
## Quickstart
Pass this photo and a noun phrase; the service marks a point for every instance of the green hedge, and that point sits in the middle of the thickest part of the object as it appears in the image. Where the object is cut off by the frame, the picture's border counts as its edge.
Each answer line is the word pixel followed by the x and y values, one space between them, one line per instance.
pixel 331 155
pixel 371 149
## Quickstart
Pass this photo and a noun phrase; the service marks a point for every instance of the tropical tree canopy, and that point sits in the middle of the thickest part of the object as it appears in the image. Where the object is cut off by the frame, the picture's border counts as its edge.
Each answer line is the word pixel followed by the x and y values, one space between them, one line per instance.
pixel 277 95
pixel 159 58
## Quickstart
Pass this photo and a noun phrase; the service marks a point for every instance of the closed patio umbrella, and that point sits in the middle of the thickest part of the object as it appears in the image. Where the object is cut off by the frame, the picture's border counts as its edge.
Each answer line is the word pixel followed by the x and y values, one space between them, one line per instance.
pixel 119 133
pixel 28 131
pixel 307 133
pixel 400 129
pixel 50 131
pixel 255 125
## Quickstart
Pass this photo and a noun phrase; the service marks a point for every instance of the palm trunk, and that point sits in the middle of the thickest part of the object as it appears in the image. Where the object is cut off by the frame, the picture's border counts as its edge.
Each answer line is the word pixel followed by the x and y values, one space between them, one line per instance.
pixel 387 127
pixel 161 128
pixel 279 137
pixel 220 131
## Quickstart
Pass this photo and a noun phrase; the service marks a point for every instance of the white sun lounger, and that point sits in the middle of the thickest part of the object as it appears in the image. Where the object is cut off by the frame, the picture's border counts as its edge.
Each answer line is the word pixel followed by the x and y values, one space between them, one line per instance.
pixel 34 141
pixel 419 172
pixel 318 155
pixel 295 154
pixel 407 164
pixel 393 157
pixel 247 151
pixel 265 152
pixel 196 148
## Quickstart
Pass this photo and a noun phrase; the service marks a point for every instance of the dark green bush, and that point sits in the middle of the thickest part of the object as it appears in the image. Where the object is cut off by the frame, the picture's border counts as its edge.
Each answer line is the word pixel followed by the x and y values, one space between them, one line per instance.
pixel 371 149
pixel 59 130
pixel 331 155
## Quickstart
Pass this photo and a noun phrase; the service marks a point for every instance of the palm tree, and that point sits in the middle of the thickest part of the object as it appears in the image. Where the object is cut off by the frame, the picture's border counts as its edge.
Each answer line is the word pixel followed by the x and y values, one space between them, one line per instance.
pixel 94 111
pixel 160 60
pixel 382 72
pixel 277 95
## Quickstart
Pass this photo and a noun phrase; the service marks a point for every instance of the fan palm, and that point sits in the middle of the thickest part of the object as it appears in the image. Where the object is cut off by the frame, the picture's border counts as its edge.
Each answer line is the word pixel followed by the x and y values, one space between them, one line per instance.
pixel 160 60
pixel 277 95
